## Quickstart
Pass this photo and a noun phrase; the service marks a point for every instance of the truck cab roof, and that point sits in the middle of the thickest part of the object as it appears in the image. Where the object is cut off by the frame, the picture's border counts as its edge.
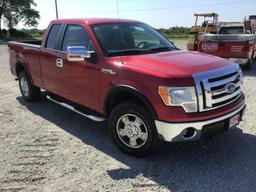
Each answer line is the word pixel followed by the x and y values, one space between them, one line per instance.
pixel 92 21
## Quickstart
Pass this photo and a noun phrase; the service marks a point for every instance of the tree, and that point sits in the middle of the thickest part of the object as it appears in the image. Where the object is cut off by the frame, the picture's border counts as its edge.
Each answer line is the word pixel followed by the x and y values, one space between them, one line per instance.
pixel 15 11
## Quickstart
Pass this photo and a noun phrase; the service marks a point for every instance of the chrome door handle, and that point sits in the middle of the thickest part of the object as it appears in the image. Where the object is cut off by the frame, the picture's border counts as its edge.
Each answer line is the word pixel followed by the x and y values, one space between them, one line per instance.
pixel 107 71
pixel 59 62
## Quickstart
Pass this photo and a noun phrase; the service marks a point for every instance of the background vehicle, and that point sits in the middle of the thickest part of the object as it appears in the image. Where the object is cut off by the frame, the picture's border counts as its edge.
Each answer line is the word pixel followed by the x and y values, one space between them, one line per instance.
pixel 234 41
pixel 208 25
pixel 252 23
pixel 128 73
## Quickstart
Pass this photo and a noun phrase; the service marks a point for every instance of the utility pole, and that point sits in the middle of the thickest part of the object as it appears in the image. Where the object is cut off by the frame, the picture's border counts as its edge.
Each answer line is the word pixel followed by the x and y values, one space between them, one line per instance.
pixel 56 7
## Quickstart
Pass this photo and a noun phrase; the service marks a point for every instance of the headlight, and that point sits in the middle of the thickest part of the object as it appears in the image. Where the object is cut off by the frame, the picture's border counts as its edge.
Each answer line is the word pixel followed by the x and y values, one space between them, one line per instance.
pixel 179 96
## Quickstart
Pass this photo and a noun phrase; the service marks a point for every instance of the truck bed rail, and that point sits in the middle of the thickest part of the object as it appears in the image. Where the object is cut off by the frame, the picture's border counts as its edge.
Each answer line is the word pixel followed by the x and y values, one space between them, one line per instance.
pixel 36 44
pixel 217 37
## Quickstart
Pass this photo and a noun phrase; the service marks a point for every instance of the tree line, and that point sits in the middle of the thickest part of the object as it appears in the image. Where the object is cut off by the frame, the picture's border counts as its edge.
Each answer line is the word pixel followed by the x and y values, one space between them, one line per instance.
pixel 172 32
pixel 175 32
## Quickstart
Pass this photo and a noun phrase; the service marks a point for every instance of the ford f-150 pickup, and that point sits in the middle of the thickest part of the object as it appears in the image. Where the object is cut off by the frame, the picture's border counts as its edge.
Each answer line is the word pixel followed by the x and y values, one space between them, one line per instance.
pixel 126 72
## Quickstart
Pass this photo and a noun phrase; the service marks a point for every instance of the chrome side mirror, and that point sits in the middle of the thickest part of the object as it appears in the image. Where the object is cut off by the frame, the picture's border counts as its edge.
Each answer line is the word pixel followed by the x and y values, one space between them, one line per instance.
pixel 78 53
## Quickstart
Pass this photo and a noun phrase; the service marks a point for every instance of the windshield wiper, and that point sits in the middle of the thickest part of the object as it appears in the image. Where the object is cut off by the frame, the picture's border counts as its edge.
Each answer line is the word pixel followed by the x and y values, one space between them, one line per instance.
pixel 138 51
pixel 126 52
pixel 162 49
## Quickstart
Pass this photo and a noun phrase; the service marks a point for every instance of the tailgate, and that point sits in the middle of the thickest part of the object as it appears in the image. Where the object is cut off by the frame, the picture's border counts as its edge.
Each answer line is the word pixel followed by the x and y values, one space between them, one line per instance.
pixel 226 49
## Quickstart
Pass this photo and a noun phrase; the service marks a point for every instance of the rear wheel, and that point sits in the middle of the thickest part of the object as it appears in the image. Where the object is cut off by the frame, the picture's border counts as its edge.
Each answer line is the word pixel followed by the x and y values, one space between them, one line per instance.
pixel 28 91
pixel 133 129
pixel 249 64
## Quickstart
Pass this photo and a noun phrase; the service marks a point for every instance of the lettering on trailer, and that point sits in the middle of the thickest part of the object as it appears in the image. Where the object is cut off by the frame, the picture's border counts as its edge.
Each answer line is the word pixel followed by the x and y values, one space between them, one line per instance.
pixel 237 48
pixel 209 47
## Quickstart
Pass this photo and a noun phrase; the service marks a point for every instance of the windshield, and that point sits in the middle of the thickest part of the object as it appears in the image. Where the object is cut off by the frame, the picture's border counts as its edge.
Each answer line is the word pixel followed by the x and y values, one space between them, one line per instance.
pixel 234 30
pixel 129 38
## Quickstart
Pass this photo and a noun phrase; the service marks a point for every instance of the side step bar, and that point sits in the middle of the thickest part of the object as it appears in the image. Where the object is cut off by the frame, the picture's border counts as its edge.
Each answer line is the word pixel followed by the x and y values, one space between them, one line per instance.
pixel 94 118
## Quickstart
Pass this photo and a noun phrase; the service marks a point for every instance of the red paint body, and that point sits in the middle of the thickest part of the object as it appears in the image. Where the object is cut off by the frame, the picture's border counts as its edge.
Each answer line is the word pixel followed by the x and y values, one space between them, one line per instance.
pixel 230 42
pixel 228 49
pixel 83 83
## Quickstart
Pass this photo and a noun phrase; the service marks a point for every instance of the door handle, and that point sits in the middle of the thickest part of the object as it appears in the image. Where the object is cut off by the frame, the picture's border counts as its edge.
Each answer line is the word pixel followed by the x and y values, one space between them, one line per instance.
pixel 59 62
pixel 107 71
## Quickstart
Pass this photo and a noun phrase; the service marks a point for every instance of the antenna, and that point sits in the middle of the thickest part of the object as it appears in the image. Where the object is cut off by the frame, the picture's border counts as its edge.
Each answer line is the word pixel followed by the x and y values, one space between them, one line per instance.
pixel 56 8
pixel 117 8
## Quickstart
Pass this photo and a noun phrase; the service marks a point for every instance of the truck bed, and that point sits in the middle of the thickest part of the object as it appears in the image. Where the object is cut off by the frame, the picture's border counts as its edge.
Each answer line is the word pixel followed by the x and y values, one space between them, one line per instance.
pixel 227 46
pixel 36 43
pixel 26 52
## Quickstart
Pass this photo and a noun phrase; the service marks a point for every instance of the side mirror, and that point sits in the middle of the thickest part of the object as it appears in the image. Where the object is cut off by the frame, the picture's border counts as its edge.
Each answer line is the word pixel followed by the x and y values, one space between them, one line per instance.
pixel 171 42
pixel 78 53
pixel 173 45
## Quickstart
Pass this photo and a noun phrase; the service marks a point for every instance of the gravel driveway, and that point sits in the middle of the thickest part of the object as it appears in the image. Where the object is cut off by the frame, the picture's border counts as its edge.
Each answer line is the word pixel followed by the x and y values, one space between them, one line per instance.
pixel 44 147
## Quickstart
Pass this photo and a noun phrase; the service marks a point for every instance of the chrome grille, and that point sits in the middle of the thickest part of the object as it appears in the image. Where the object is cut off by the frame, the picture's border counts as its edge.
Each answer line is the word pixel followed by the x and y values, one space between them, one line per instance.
pixel 219 87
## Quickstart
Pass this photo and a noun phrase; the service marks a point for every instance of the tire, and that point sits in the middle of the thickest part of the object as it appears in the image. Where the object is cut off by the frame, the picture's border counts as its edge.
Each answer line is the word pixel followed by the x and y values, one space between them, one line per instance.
pixel 133 129
pixel 249 64
pixel 28 91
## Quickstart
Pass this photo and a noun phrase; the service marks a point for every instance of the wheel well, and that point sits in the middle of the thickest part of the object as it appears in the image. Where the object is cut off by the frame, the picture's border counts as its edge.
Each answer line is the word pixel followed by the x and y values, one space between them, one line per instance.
pixel 118 97
pixel 19 68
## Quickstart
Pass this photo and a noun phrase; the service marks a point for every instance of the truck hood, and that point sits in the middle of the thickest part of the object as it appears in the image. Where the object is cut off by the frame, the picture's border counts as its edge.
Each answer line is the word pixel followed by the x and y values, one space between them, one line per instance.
pixel 174 63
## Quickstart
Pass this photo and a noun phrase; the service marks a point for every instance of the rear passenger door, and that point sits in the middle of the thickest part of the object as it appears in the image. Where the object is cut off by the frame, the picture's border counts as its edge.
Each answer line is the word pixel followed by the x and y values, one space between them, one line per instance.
pixel 51 72
pixel 80 82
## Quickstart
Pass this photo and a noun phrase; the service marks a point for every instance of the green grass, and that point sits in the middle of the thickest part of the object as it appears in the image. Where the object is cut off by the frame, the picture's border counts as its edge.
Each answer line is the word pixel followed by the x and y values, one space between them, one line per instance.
pixel 37 36
pixel 176 36
pixel 18 35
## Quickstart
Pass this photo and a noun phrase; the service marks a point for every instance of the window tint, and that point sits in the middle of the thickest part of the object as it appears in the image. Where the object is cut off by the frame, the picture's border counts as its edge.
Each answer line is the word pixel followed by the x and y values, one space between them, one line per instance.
pixel 129 38
pixel 234 30
pixel 52 37
pixel 141 35
pixel 75 35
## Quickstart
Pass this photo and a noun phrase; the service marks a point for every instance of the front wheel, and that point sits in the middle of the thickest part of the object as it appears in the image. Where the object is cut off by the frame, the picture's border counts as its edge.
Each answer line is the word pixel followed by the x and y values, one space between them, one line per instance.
pixel 133 129
pixel 29 91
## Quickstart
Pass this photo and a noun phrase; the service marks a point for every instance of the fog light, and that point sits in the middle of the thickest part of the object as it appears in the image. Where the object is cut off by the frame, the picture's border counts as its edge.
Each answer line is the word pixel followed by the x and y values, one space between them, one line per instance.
pixel 189 133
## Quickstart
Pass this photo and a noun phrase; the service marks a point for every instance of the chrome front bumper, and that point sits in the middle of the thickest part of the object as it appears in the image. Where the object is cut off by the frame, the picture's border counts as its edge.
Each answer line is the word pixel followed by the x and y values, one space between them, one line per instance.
pixel 240 61
pixel 172 132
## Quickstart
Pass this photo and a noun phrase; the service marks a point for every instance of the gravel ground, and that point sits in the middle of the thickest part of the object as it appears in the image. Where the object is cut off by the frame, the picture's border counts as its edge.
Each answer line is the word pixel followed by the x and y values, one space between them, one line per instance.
pixel 45 147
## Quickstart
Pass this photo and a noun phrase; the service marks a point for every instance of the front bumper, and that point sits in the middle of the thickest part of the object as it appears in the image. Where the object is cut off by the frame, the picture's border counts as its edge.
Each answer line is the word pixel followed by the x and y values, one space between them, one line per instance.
pixel 173 132
pixel 240 61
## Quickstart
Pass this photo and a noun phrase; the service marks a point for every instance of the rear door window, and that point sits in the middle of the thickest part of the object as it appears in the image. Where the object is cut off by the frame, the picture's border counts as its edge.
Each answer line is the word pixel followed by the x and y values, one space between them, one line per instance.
pixel 52 39
pixel 75 35
pixel 234 30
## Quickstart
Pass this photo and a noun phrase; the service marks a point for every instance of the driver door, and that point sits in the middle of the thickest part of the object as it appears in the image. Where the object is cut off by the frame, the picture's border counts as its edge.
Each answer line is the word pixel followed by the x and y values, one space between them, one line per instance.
pixel 81 78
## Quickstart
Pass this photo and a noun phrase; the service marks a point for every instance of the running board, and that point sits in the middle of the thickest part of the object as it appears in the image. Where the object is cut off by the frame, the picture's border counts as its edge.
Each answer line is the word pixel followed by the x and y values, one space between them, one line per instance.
pixel 94 118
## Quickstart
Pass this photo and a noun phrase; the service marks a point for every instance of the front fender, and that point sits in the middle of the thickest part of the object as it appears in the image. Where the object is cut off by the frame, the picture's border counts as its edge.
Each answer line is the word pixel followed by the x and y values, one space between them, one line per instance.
pixel 133 89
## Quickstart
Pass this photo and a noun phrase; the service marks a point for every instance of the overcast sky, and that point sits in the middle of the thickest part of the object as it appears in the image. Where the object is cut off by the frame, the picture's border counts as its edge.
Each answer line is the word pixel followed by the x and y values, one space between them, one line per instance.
pixel 158 13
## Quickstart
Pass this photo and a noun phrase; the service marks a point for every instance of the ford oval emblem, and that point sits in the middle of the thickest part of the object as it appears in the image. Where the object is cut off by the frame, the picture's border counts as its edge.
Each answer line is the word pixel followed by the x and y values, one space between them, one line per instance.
pixel 230 88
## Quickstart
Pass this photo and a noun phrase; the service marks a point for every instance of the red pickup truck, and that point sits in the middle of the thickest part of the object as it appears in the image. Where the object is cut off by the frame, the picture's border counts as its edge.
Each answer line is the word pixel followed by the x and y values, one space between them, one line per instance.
pixel 234 41
pixel 126 72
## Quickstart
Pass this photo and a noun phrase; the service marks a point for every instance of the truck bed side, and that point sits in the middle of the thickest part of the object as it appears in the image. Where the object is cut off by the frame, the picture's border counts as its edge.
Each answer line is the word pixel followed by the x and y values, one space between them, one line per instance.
pixel 26 55
pixel 227 46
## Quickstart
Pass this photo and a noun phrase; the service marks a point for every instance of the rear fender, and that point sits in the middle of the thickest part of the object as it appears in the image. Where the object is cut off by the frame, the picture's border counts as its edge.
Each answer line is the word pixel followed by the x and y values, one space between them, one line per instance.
pixel 21 63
